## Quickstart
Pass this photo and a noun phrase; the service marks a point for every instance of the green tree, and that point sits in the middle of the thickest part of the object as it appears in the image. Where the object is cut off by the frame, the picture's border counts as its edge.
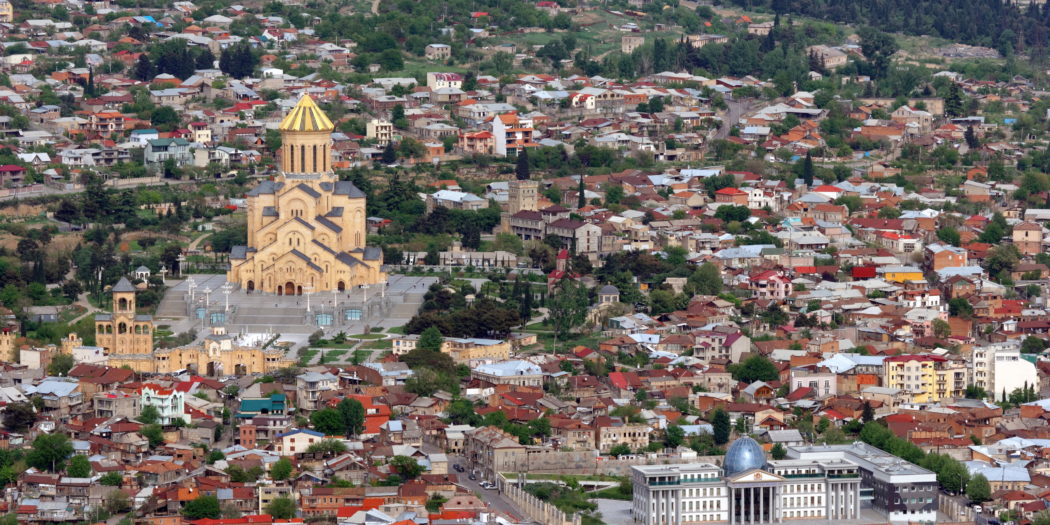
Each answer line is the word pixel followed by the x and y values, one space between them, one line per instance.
pixel 707 279
pixel 755 368
pixel 60 365
pixel 808 170
pixel 79 467
pixel 978 489
pixel 878 48
pixel 406 467
pixel 154 434
pixel 50 452
pixel 202 507
pixel 941 328
pixel 960 307
pixel 567 306
pixel 150 415
pixel 117 502
pixel 521 167
pixel 111 479
pixel 949 235
pixel 1033 345
pixel 328 422
pixel 19 416
pixel 327 446
pixel 238 60
pixel 778 451
pixel 721 425
pixel 675 436
pixel 620 450
pixel 353 414
pixel 281 508
pixel 867 414
pixel 281 469
pixel 431 339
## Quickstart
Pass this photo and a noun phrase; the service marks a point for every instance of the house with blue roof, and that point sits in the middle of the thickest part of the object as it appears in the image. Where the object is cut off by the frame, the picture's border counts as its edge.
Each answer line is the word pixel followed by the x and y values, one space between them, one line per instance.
pixel 296 441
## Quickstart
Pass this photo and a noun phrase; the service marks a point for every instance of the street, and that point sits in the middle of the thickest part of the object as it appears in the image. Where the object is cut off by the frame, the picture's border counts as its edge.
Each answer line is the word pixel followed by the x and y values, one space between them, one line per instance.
pixel 491 497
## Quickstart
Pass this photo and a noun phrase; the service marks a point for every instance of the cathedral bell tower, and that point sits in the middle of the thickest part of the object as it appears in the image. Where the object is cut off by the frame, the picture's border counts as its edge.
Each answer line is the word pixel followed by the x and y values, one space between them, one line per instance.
pixel 306 141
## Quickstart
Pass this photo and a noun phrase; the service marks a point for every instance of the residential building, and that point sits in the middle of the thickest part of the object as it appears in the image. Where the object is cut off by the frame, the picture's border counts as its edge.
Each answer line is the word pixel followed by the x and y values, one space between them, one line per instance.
pixel 1028 237
pixel 170 403
pixel 999 368
pixel 511 133
pixel 520 373
pixel 926 378
pixel 309 387
pixel 296 441
pixel 938 256
pixel 437 52
pixel 379 130
pixel 159 151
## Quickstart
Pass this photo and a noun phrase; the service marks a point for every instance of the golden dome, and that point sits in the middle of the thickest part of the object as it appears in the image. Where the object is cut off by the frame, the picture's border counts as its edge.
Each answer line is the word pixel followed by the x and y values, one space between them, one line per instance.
pixel 306 116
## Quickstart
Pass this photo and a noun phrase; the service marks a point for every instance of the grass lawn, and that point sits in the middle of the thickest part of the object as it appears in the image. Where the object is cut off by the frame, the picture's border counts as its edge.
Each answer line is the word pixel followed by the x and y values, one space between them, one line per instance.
pixel 378 345
pixel 540 326
pixel 361 355
pixel 396 330
pixel 332 356
pixel 367 337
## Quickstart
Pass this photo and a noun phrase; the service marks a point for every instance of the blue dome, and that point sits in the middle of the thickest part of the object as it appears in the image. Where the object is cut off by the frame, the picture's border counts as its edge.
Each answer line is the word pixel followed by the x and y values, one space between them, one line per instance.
pixel 744 454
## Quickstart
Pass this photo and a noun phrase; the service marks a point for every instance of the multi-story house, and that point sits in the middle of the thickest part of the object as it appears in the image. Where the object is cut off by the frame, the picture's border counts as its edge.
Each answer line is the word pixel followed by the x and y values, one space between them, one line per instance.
pixel 1028 237
pixel 770 284
pixel 116 404
pixel 170 403
pixel 511 133
pixel 609 432
pixel 939 256
pixel 160 150
pixel 999 369
pixel 310 386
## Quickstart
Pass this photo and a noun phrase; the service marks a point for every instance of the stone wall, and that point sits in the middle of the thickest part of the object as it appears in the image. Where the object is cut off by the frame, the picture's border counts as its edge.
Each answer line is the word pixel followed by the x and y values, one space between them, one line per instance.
pixel 534 508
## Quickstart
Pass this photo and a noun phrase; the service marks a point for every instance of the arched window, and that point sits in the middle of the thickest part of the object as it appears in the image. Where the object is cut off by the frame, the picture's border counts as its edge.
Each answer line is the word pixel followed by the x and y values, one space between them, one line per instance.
pixel 123 303
pixel 122 328
pixel 315 158
pixel 302 159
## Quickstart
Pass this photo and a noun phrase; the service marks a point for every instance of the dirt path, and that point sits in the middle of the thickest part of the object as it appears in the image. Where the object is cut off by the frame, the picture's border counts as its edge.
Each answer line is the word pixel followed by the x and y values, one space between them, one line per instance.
pixel 375 7
pixel 196 242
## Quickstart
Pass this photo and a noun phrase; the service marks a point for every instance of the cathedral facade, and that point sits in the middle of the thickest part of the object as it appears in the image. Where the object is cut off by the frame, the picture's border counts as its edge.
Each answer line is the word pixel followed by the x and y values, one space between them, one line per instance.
pixel 306 228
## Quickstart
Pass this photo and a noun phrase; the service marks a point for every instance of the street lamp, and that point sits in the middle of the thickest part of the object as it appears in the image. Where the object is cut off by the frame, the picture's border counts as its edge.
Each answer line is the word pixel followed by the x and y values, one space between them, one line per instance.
pixel 226 289
pixel 192 285
pixel 307 289
pixel 207 304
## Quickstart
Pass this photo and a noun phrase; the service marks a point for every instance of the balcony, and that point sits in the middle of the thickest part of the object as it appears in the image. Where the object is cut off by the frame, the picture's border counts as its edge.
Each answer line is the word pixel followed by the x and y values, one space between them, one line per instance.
pixel 804 476
pixel 844 475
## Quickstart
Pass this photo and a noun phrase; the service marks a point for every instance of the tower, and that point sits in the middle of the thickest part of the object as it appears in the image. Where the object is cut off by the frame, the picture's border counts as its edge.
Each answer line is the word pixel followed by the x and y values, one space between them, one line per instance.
pixel 306 139
pixel 123 332
pixel 523 195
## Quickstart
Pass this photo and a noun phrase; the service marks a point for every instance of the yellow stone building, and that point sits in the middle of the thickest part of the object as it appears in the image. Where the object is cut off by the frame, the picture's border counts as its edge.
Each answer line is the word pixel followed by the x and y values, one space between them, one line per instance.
pixel 127 340
pixel 306 228
pixel 7 11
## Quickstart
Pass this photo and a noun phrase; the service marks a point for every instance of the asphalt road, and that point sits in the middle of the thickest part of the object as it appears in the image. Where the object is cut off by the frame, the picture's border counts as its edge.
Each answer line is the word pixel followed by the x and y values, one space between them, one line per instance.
pixel 492 498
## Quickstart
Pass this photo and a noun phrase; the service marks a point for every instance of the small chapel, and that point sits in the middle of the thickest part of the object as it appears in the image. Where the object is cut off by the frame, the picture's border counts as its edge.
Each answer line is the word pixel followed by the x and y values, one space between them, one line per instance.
pixel 306 228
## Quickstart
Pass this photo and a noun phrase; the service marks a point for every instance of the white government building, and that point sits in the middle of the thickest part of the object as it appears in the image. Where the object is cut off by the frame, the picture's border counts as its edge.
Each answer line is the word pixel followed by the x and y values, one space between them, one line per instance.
pixel 823 482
